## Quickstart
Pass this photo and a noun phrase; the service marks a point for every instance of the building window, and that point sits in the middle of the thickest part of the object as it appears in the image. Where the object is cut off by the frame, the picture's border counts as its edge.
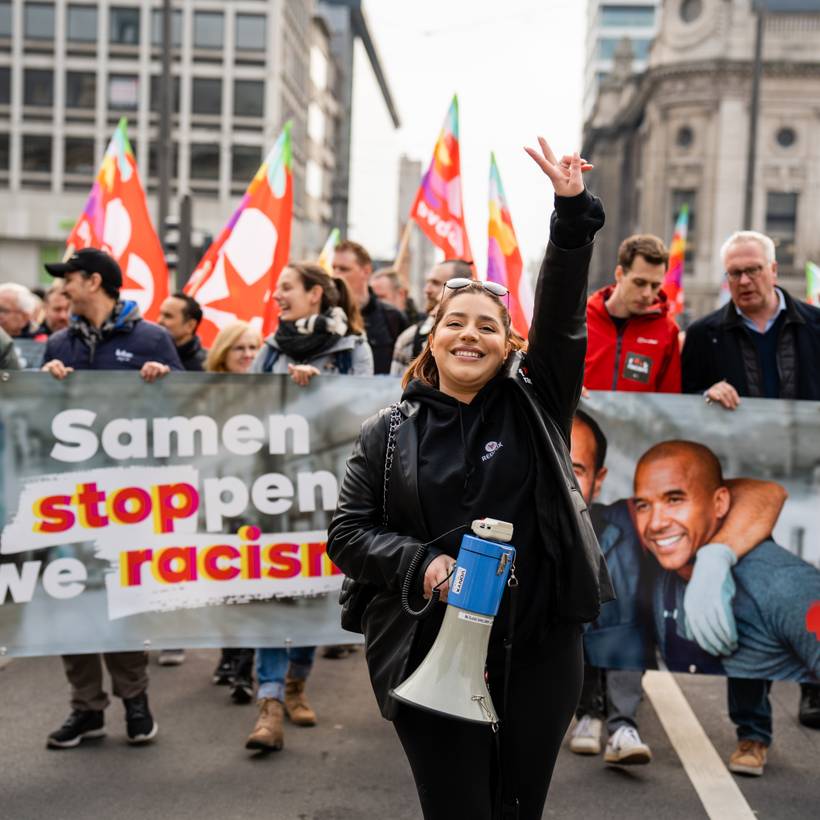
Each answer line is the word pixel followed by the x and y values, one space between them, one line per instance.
pixel 316 123
pixel 79 156
pixel 608 45
pixel 248 98
pixel 208 28
pixel 155 89
pixel 124 25
pixel 176 28
pixel 204 161
pixel 81 25
pixel 681 197
pixel 690 10
pixel 39 21
pixel 123 92
pixel 153 159
pixel 37 153
pixel 5 85
pixel 206 96
pixel 781 224
pixel 80 89
pixel 314 179
pixel 684 137
pixel 318 68
pixel 245 162
pixel 5 24
pixel 786 137
pixel 617 16
pixel 38 87
pixel 5 153
pixel 251 32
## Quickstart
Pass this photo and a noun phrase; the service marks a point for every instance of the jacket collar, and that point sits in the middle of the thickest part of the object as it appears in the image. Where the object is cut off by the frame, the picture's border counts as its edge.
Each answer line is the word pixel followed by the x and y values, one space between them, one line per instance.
pixel 730 318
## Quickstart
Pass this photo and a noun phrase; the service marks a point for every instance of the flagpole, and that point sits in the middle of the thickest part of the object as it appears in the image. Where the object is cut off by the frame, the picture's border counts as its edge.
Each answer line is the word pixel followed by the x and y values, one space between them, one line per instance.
pixel 401 262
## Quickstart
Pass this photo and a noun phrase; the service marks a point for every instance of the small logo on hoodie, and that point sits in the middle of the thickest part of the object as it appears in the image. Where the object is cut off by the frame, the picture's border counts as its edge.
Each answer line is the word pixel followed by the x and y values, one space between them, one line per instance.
pixel 490 449
pixel 123 355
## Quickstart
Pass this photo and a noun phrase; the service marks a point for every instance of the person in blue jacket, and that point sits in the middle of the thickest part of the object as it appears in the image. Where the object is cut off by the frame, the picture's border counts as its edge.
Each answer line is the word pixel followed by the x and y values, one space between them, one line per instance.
pixel 105 333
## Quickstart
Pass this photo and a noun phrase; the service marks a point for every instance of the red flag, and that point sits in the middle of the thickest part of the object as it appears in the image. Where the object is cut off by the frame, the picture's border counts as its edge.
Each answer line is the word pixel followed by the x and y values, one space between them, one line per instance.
pixel 438 208
pixel 115 219
pixel 237 276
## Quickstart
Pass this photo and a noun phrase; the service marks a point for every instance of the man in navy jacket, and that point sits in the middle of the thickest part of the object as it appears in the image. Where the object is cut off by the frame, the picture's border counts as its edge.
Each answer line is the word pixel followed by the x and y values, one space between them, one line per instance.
pixel 105 333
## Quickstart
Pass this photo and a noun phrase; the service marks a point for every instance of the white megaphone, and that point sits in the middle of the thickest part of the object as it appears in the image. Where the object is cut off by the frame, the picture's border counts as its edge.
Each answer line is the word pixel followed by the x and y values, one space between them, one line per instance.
pixel 450 680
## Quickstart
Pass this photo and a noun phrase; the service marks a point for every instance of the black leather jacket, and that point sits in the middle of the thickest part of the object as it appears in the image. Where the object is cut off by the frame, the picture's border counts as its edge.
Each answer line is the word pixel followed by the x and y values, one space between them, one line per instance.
pixel 547 383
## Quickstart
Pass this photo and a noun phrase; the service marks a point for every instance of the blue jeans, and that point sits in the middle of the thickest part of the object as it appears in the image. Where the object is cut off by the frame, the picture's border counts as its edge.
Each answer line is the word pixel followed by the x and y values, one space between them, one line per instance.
pixel 750 709
pixel 273 664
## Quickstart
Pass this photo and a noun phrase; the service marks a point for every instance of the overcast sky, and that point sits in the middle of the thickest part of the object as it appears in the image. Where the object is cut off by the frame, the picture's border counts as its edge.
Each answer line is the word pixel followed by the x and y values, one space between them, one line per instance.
pixel 518 71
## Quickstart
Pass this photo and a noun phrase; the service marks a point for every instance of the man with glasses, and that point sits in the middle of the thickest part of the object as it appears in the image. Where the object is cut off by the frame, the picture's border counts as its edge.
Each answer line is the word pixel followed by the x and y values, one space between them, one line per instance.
pixel 762 344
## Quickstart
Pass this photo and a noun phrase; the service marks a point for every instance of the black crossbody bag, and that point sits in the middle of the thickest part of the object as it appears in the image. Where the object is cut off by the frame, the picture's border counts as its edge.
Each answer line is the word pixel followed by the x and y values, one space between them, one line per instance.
pixel 354 596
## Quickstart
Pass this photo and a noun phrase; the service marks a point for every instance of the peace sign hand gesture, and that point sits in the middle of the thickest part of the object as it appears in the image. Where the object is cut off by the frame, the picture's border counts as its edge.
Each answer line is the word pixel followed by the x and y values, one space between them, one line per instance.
pixel 566 174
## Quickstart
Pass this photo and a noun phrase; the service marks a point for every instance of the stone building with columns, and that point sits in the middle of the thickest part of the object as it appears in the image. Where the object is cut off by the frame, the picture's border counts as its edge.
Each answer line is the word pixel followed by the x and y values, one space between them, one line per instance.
pixel 678 133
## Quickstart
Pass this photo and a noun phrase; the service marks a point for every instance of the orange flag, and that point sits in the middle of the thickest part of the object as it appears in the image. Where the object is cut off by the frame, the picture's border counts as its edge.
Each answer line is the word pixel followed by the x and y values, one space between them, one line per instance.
pixel 237 276
pixel 438 208
pixel 115 219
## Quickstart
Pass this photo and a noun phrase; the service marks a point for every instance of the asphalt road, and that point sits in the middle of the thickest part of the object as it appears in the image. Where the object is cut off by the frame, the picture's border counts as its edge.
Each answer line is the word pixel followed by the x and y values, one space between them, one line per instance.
pixel 349 767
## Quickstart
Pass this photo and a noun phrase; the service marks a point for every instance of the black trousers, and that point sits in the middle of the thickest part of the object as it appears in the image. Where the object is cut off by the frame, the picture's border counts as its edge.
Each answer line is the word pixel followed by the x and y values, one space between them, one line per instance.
pixel 455 763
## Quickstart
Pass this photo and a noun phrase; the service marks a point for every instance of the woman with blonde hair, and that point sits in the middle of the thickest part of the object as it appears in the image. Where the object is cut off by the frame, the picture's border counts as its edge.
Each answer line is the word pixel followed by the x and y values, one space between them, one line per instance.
pixel 234 349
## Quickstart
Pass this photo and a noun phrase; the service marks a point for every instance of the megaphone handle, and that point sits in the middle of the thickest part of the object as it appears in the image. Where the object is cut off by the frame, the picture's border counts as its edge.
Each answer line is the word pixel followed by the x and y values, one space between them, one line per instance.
pixel 407 585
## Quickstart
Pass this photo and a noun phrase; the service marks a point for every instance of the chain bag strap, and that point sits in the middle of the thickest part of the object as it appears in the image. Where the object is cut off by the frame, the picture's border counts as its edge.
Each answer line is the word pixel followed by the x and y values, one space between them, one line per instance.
pixel 354 596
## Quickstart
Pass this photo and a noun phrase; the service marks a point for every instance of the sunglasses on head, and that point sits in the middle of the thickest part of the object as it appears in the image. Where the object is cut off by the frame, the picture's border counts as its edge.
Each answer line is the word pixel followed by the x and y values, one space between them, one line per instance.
pixel 491 287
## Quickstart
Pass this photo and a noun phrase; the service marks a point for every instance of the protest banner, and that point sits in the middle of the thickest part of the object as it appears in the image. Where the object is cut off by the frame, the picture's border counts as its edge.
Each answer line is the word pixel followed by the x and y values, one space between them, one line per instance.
pixel 138 515
pixel 193 512
pixel 657 509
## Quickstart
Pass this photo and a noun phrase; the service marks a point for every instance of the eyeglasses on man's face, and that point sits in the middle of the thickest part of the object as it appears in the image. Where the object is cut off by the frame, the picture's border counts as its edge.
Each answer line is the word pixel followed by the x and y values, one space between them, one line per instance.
pixel 752 272
pixel 458 283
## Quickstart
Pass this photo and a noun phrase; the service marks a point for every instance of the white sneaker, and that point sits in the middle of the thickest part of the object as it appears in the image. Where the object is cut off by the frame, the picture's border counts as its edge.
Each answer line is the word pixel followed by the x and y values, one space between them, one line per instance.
pixel 626 748
pixel 171 657
pixel 586 736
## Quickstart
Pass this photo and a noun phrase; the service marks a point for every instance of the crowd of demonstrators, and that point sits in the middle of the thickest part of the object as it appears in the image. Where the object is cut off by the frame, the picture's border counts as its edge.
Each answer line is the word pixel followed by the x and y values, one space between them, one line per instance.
pixel 411 341
pixel 383 323
pixel 387 285
pixel 762 343
pixel 320 332
pixel 632 345
pixel 105 333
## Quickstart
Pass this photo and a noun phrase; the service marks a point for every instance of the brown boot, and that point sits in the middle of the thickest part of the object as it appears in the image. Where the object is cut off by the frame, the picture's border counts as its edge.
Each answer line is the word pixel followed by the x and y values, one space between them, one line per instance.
pixel 296 705
pixel 748 758
pixel 267 735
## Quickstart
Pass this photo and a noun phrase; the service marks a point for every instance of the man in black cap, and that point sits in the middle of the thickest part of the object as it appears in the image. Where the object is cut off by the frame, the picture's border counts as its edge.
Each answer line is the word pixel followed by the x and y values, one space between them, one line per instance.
pixel 105 333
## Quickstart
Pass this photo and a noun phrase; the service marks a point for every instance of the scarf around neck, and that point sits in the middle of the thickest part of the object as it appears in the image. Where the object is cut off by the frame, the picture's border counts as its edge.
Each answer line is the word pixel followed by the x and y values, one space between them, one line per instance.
pixel 311 336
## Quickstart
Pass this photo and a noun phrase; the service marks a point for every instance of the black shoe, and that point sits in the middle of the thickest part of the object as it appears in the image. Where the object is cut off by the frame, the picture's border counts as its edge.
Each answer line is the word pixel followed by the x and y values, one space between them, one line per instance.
pixel 809 712
pixel 223 674
pixel 79 726
pixel 139 722
pixel 242 689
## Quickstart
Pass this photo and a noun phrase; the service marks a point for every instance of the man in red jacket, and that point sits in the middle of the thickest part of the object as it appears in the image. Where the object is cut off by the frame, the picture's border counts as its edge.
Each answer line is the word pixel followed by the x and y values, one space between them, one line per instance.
pixel 633 343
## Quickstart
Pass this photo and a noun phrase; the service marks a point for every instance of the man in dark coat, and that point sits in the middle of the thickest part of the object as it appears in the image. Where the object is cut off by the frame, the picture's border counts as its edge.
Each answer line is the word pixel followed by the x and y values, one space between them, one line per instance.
pixel 180 315
pixel 383 322
pixel 105 333
pixel 762 344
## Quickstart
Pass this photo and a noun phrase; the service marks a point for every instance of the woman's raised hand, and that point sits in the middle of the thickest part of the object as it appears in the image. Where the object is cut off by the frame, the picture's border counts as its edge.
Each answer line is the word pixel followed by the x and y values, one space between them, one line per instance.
pixel 565 174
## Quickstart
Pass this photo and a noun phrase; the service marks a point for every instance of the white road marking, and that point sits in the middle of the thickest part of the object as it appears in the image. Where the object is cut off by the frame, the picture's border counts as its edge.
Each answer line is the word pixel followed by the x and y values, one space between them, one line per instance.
pixel 715 786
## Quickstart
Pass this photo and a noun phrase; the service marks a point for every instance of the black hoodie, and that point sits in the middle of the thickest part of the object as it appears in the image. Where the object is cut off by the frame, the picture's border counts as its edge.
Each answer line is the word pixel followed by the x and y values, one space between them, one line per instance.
pixel 476 461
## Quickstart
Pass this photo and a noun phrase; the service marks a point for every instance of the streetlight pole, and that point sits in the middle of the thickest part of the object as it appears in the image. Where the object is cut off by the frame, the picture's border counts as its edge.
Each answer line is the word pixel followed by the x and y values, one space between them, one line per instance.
pixel 165 105
pixel 754 115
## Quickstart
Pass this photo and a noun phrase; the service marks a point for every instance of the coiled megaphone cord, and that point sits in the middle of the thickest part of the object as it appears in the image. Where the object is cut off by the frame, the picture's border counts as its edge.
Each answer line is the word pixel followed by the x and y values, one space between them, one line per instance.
pixel 410 576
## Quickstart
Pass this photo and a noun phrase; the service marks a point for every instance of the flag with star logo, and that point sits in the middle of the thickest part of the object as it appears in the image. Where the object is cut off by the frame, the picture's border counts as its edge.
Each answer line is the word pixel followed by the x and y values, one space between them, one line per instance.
pixel 236 278
pixel 115 219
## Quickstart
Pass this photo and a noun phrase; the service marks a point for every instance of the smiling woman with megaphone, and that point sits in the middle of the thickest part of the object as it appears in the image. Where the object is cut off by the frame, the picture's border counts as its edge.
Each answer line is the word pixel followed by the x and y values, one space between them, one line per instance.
pixel 482 430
